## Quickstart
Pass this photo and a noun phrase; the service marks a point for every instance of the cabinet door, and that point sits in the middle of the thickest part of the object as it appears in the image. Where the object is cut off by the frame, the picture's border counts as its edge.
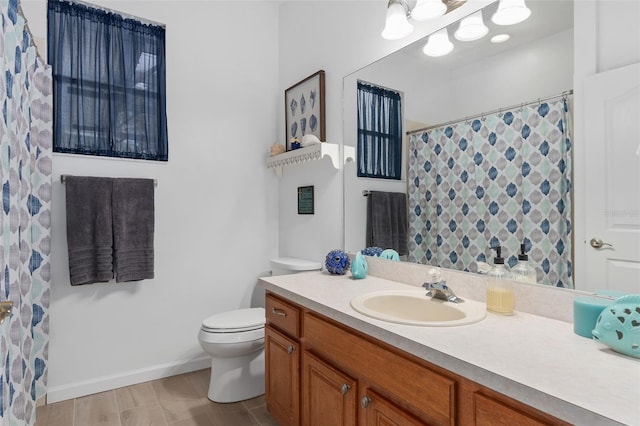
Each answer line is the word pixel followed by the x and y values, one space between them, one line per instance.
pixel 282 376
pixel 379 411
pixel 329 397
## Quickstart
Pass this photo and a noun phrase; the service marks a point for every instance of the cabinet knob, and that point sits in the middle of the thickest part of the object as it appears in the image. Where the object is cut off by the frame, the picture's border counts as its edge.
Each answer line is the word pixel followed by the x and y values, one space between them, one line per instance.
pixel 365 401
pixel 344 388
pixel 290 349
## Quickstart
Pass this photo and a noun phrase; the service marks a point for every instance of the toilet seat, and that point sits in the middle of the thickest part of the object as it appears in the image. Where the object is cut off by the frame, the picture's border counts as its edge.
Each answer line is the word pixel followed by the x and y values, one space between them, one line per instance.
pixel 235 321
pixel 240 325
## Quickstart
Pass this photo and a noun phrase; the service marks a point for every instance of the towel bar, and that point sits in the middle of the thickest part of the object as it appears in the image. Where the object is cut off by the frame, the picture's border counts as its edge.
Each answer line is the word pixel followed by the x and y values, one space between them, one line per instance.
pixel 64 177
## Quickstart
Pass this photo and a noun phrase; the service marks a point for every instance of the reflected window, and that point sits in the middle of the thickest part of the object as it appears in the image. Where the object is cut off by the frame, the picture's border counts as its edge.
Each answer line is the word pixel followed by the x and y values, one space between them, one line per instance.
pixel 109 83
pixel 379 149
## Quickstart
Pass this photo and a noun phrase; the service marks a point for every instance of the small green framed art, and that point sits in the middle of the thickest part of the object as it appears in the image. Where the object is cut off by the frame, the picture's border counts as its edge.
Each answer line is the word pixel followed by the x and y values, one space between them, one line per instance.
pixel 305 200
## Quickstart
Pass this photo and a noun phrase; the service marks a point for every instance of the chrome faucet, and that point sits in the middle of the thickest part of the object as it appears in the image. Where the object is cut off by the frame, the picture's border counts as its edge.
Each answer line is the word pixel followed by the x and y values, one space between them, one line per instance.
pixel 441 291
pixel 438 288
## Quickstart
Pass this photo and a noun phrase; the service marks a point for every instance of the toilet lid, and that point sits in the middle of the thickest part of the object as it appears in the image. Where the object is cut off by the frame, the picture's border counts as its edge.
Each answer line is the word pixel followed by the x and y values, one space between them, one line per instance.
pixel 235 321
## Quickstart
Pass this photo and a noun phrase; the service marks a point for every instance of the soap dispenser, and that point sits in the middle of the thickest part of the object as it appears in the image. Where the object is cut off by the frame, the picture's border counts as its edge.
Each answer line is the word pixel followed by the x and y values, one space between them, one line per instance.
pixel 499 289
pixel 522 271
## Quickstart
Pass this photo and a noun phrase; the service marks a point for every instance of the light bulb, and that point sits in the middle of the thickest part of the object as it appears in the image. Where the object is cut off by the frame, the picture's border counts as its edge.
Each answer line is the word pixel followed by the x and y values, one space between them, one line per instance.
pixel 471 28
pixel 397 26
pixel 428 9
pixel 511 12
pixel 438 44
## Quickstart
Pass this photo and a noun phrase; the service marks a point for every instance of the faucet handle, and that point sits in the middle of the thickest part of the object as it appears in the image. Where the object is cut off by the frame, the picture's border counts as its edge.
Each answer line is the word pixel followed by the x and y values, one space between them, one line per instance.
pixel 435 275
pixel 438 285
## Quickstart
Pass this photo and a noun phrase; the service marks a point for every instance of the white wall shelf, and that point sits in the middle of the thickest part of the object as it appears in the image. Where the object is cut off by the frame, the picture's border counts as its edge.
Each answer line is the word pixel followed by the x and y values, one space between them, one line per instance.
pixel 302 155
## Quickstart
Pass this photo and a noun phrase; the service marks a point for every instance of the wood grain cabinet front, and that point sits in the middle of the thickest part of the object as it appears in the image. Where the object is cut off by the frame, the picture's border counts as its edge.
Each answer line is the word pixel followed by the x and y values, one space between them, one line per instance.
pixel 282 377
pixel 491 412
pixel 283 315
pixel 379 411
pixel 282 360
pixel 329 396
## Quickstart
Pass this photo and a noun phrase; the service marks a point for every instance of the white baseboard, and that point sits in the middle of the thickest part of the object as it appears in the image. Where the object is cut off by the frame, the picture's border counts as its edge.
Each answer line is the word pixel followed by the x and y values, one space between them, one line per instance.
pixel 105 383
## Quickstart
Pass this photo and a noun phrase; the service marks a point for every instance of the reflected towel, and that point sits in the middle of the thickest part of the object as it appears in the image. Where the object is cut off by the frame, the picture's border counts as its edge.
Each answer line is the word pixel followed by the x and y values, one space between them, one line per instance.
pixel 133 227
pixel 387 221
pixel 89 230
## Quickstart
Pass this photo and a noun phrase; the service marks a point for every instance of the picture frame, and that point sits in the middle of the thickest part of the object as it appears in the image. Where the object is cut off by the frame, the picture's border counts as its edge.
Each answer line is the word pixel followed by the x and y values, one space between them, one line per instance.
pixel 305 200
pixel 305 109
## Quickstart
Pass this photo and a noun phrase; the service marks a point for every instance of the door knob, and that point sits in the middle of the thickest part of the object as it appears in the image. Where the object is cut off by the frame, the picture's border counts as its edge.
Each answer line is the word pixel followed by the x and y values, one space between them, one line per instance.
pixel 597 243
pixel 344 389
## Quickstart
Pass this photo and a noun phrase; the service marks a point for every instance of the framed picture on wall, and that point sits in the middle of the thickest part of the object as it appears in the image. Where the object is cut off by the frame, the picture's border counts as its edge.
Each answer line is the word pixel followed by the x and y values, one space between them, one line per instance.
pixel 304 109
pixel 305 200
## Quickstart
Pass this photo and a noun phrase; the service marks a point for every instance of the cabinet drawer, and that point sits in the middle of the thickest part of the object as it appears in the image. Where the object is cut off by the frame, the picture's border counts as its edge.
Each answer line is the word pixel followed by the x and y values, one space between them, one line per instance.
pixel 491 412
pixel 283 315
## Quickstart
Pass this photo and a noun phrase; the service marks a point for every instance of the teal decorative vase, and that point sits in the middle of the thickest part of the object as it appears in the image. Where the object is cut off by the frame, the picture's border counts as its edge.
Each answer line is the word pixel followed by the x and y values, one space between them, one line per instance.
pixel 359 267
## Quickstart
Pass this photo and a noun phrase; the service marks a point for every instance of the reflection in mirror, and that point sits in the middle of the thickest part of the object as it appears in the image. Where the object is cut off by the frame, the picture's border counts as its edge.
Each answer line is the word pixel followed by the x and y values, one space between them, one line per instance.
pixel 461 99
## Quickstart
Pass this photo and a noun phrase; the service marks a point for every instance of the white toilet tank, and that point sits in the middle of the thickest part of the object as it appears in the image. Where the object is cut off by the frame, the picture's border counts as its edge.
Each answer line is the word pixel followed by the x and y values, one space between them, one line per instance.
pixel 291 265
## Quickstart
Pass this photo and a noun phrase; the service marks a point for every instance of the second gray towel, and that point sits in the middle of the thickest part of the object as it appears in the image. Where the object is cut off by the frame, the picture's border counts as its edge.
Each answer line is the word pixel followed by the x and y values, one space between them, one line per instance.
pixel 387 222
pixel 133 225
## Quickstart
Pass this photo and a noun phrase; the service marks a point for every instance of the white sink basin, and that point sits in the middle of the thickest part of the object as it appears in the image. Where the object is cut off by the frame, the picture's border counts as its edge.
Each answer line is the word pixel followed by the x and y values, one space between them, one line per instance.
pixel 413 307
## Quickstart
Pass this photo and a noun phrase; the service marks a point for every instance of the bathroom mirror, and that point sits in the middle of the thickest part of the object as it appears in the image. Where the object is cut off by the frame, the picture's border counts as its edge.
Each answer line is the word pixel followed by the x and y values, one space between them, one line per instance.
pixel 476 77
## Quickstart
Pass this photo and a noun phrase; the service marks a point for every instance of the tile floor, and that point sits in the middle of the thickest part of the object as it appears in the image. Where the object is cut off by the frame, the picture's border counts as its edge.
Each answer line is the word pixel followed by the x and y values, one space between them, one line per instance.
pixel 174 401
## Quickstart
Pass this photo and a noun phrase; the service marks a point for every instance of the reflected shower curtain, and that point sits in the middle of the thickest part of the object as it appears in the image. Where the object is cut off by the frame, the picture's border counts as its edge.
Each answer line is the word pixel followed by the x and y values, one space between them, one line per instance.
pixel 25 180
pixel 503 179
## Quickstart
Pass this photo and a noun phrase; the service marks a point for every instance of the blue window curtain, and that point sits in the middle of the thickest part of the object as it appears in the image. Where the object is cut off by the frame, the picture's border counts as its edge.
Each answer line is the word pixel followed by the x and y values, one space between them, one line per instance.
pixel 109 83
pixel 379 150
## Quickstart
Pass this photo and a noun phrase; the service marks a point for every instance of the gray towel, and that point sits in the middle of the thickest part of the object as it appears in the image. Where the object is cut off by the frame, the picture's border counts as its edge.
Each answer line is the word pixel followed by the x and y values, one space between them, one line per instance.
pixel 89 230
pixel 387 221
pixel 133 224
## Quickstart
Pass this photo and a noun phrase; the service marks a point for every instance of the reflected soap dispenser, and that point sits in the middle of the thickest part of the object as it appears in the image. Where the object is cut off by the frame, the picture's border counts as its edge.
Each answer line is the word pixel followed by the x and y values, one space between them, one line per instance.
pixel 499 289
pixel 523 271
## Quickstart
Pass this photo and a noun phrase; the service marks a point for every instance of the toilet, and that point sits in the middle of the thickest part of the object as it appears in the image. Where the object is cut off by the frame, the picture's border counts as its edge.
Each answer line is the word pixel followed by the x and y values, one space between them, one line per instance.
pixel 235 342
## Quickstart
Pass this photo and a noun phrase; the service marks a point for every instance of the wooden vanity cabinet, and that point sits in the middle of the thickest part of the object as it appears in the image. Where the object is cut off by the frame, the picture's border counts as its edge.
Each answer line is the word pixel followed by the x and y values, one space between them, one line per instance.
pixel 282 361
pixel 320 372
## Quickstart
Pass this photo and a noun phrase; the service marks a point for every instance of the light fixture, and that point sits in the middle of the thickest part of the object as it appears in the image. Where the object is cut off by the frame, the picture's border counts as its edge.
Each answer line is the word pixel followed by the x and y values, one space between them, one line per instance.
pixel 500 38
pixel 511 12
pixel 428 9
pixel 397 26
pixel 471 28
pixel 438 44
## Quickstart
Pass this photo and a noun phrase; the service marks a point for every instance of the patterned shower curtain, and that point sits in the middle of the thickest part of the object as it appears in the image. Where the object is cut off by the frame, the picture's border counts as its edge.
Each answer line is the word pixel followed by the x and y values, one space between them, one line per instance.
pixel 25 179
pixel 504 179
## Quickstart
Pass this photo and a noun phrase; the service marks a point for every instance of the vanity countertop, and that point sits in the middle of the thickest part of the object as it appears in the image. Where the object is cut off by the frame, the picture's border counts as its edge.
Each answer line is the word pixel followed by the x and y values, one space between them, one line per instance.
pixel 533 359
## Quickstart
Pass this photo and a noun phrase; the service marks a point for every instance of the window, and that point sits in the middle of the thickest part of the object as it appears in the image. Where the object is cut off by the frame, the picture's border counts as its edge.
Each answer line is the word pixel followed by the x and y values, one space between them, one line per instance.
pixel 109 83
pixel 379 150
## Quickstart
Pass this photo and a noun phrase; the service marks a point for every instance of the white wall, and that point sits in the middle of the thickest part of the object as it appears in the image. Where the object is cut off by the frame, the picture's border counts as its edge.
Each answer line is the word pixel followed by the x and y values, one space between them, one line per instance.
pixel 216 207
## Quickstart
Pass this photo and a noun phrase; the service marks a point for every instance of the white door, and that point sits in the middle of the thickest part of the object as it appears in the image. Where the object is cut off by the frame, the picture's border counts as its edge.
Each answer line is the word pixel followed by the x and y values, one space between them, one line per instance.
pixel 612 181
